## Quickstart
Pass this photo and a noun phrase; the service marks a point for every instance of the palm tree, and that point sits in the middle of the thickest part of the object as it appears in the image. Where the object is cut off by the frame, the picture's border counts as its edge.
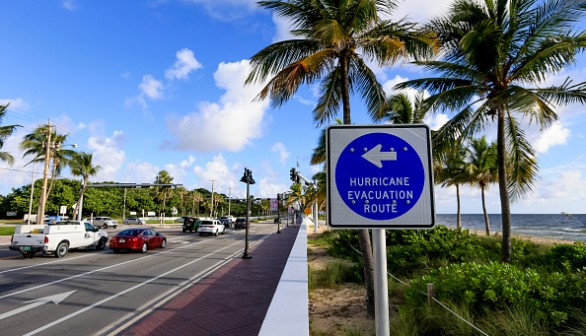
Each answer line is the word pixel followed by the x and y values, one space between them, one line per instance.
pixel 163 192
pixel 398 109
pixel 81 165
pixel 5 132
pixel 34 144
pixel 449 170
pixel 496 53
pixel 196 197
pixel 481 167
pixel 333 40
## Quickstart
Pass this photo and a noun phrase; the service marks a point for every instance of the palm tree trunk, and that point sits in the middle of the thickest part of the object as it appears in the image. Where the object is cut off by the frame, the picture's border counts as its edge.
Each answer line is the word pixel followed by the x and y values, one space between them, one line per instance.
pixel 363 235
pixel 504 195
pixel 486 222
pixel 458 216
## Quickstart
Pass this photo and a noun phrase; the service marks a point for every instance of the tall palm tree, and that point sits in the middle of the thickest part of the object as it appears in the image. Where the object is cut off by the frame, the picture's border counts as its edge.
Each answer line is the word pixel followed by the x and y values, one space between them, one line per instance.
pixel 482 169
pixel 333 40
pixel 5 132
pixel 163 192
pixel 35 144
pixel 81 165
pixel 496 54
pixel 196 197
pixel 449 170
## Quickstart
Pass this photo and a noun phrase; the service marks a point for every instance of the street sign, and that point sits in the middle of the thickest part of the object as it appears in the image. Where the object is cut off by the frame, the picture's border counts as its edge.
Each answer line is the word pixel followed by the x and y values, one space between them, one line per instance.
pixel 380 176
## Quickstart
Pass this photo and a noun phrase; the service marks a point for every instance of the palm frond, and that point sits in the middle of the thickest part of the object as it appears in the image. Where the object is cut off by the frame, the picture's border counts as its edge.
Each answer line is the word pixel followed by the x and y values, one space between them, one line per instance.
pixel 521 162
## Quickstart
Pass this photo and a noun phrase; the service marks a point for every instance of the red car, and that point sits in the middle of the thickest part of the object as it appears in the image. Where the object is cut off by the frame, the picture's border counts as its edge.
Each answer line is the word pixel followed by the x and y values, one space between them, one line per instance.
pixel 140 239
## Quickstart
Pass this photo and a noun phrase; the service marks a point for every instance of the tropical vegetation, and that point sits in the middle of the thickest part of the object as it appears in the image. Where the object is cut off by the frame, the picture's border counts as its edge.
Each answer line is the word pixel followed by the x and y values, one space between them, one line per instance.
pixel 496 56
pixel 540 292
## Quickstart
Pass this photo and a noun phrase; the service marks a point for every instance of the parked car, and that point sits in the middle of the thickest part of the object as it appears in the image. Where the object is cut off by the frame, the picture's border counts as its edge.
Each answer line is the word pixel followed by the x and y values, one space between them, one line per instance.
pixel 191 224
pixel 133 221
pixel 137 239
pixel 227 221
pixel 240 223
pixel 210 226
pixel 103 222
pixel 181 219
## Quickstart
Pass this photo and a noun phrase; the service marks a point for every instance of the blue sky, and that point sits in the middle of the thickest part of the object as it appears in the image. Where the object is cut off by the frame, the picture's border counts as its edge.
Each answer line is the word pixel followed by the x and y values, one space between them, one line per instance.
pixel 149 85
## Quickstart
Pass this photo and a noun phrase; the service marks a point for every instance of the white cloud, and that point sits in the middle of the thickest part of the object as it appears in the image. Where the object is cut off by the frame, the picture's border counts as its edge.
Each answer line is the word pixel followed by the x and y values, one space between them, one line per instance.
pixel 226 180
pixel 16 104
pixel 280 148
pixel 70 4
pixel 421 10
pixel 108 154
pixel 184 65
pixel 151 87
pixel 556 134
pixel 229 124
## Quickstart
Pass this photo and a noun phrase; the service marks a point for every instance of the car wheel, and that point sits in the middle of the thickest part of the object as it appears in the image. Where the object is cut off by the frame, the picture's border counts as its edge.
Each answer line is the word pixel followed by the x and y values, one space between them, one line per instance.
pixel 101 244
pixel 201 234
pixel 184 230
pixel 144 248
pixel 116 250
pixel 216 232
pixel 62 249
pixel 164 243
pixel 105 226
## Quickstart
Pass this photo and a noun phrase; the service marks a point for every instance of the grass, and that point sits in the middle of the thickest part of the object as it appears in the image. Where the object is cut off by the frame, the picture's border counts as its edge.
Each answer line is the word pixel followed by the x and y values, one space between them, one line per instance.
pixel 6 230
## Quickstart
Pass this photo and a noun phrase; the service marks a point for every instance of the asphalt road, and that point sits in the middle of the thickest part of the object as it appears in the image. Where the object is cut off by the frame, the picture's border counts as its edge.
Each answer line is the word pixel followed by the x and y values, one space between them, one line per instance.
pixel 95 292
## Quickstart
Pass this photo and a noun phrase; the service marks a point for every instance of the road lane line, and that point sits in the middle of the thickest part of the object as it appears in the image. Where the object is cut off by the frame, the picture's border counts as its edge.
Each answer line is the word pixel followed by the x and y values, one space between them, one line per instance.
pixel 90 272
pixel 112 297
pixel 165 297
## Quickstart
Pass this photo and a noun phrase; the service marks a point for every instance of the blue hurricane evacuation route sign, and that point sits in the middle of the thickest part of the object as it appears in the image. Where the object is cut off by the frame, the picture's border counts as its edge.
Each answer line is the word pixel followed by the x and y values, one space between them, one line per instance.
pixel 380 176
pixel 379 182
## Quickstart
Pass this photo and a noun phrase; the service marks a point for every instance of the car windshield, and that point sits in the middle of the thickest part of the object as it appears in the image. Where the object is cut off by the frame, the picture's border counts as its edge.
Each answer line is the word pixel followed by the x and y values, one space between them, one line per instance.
pixel 207 222
pixel 129 233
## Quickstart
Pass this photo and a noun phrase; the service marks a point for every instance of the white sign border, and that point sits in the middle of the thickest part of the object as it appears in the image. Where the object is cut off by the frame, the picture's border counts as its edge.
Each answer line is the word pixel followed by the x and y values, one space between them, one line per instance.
pixel 339 215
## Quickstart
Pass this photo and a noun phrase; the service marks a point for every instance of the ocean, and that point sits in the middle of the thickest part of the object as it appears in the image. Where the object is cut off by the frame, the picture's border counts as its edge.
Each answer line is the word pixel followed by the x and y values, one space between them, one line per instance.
pixel 570 227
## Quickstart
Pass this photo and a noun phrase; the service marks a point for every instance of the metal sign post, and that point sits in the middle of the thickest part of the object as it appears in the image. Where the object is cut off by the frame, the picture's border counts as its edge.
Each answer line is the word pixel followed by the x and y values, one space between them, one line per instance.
pixel 379 177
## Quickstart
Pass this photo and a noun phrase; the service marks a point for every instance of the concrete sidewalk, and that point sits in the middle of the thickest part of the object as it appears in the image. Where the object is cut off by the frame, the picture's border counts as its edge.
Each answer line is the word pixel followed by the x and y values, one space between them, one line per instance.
pixel 234 300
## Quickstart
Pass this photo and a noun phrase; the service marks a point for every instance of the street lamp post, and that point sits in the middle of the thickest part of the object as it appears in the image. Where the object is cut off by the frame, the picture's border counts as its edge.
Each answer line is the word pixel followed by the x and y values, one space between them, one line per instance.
pixel 247 178
pixel 278 213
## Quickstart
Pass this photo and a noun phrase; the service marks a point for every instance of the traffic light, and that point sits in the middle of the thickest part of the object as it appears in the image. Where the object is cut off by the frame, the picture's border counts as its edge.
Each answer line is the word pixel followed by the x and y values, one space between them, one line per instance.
pixel 247 177
pixel 294 177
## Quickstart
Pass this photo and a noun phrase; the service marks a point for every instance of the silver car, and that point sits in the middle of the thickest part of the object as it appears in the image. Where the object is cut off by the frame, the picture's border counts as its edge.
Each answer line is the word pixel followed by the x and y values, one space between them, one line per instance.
pixel 133 221
pixel 103 222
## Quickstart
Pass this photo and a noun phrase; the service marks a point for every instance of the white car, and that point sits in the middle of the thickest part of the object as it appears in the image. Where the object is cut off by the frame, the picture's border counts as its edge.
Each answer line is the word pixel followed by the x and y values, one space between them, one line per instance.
pixel 210 226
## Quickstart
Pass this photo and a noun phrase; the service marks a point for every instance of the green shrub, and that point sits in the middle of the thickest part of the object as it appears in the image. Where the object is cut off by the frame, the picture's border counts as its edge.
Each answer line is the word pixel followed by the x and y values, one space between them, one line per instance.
pixel 411 251
pixel 567 257
pixel 493 287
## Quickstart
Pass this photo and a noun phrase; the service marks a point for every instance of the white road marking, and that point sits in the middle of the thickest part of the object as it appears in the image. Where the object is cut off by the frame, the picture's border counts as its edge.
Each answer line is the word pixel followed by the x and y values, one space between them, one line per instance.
pixel 83 310
pixel 38 302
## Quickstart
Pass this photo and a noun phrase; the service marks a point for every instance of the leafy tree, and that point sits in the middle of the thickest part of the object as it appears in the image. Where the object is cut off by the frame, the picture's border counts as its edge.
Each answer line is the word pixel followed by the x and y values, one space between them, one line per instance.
pixel 496 54
pixel 5 132
pixel 333 40
pixel 481 168
pixel 82 165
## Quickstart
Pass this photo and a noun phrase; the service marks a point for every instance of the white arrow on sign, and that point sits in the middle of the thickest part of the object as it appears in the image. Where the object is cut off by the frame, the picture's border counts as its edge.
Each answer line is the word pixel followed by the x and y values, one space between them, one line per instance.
pixel 56 299
pixel 375 156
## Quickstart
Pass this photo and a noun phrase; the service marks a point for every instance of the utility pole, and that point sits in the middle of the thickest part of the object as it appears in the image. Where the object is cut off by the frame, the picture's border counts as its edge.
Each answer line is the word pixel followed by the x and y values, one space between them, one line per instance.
pixel 30 204
pixel 212 203
pixel 42 200
pixel 229 195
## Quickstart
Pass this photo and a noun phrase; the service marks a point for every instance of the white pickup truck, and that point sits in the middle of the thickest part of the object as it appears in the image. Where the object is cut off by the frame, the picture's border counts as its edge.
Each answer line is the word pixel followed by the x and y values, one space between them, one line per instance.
pixel 57 238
